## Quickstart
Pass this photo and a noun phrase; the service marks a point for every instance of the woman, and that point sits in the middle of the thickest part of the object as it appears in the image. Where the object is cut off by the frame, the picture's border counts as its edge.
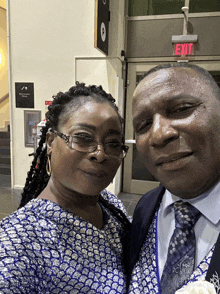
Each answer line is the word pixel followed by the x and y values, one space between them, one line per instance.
pixel 67 235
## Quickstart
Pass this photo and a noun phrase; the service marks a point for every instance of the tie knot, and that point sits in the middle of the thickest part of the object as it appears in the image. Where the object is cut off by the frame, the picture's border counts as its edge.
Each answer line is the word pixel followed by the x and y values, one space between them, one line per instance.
pixel 186 215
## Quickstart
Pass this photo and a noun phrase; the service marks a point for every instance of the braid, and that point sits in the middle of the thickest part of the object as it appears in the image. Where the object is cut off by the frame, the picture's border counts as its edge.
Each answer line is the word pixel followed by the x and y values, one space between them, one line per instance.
pixel 121 217
pixel 58 113
pixel 116 212
pixel 37 177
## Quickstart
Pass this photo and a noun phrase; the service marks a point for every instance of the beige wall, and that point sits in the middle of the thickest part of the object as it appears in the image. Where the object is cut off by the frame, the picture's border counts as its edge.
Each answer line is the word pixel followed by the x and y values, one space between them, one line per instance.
pixel 52 45
pixel 3 3
pixel 4 106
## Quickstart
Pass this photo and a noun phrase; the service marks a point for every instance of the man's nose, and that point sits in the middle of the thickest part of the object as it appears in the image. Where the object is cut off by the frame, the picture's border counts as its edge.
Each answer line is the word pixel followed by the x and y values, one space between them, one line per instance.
pixel 162 131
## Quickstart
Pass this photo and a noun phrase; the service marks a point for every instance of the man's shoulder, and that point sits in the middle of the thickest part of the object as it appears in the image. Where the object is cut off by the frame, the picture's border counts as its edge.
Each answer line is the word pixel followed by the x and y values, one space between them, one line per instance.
pixel 142 219
pixel 150 199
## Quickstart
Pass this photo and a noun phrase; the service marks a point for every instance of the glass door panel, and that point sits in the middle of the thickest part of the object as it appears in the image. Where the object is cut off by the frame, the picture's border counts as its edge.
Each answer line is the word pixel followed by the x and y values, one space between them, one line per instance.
pixel 159 7
pixel 137 179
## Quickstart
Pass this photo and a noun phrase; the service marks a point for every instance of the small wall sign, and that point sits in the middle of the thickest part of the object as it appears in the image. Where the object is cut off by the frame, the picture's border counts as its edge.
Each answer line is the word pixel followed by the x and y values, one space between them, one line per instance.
pixel 183 49
pixel 102 18
pixel 184 46
pixel 47 104
pixel 24 95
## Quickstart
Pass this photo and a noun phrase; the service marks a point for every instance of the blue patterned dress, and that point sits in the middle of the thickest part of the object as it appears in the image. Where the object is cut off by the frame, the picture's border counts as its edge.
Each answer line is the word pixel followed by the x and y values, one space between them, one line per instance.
pixel 46 249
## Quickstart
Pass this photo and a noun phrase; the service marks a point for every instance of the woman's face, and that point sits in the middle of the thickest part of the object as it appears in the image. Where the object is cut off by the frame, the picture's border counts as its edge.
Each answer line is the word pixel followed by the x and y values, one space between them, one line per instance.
pixel 86 173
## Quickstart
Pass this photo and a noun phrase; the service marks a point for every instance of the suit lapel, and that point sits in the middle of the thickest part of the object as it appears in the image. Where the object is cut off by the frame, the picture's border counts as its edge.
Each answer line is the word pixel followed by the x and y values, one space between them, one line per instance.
pixel 214 267
pixel 143 216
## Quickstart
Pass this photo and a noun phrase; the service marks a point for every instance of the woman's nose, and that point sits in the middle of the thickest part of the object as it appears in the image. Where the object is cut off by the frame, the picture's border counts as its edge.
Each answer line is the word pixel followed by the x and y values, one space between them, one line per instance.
pixel 162 131
pixel 99 154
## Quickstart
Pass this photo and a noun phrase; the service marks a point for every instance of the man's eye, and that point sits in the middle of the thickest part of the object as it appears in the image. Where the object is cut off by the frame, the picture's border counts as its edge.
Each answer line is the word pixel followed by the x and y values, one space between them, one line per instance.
pixel 182 110
pixel 143 127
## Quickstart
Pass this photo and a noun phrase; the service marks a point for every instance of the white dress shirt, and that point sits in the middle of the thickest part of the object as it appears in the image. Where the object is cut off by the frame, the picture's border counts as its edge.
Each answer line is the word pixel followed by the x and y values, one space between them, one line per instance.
pixel 207 227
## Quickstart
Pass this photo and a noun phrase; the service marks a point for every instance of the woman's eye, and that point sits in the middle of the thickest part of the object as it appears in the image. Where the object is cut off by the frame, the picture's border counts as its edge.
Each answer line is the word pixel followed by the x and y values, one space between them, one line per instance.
pixel 83 137
pixel 113 144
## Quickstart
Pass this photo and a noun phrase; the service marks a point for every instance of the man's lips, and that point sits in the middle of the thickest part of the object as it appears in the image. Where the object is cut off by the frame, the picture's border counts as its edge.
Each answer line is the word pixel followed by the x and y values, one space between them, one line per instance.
pixel 173 157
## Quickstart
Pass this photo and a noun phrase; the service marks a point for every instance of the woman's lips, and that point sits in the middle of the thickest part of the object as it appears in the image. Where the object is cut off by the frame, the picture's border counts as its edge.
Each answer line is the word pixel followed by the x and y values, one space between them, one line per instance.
pixel 96 174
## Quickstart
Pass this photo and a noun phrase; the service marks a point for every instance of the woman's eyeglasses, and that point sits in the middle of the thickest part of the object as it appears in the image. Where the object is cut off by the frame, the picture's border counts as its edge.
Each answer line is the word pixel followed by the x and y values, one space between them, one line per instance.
pixel 86 144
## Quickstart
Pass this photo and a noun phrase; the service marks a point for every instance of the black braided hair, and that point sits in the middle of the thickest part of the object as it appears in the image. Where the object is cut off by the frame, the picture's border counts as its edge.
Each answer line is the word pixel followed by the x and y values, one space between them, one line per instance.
pixel 57 114
pixel 116 212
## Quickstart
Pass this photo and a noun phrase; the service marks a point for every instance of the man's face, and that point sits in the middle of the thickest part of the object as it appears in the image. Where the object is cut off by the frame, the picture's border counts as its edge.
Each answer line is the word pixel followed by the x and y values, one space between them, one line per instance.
pixel 176 118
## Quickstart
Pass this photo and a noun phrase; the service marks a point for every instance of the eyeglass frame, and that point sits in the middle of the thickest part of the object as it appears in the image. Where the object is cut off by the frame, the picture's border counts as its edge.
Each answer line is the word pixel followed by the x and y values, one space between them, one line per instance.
pixel 66 138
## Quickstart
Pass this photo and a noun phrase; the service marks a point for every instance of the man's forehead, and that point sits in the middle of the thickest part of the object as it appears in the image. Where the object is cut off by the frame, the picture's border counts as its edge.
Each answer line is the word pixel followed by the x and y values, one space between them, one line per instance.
pixel 152 81
pixel 173 75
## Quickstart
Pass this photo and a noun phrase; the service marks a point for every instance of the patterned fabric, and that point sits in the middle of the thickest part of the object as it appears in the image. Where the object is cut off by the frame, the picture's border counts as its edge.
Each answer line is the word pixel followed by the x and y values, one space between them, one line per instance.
pixel 200 273
pixel 46 249
pixel 145 276
pixel 181 252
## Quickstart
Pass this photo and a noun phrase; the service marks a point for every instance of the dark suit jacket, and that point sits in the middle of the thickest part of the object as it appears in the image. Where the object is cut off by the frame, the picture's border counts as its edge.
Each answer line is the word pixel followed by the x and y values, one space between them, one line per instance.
pixel 143 216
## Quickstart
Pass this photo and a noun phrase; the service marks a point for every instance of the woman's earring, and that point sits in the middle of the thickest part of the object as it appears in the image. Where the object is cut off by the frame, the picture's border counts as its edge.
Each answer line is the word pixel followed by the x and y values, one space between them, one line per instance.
pixel 48 165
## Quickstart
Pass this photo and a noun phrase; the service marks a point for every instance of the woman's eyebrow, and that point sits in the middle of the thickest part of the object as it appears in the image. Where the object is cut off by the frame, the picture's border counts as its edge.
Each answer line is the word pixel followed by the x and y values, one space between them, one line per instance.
pixel 85 125
pixel 110 131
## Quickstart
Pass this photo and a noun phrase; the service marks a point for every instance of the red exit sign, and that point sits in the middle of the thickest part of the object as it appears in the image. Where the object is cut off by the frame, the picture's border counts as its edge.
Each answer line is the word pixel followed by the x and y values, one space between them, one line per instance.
pixel 183 49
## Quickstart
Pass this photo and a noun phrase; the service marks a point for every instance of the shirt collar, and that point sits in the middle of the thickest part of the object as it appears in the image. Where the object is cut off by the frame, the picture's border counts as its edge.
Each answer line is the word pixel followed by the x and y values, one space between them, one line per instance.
pixel 207 203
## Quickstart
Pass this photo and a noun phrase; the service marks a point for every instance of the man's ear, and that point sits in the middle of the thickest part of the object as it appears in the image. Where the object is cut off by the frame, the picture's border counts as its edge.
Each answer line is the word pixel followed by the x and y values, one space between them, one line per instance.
pixel 49 139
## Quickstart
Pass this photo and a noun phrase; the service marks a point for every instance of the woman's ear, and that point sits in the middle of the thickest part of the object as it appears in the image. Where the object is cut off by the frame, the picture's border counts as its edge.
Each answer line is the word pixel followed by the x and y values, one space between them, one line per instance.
pixel 49 139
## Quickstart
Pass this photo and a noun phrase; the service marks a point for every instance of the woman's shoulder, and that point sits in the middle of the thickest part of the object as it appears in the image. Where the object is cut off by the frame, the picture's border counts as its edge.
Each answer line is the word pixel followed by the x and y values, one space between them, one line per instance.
pixel 114 200
pixel 111 198
pixel 26 221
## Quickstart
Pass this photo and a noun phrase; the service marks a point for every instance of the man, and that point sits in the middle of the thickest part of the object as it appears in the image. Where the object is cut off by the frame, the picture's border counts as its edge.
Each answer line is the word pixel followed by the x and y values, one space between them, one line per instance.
pixel 176 119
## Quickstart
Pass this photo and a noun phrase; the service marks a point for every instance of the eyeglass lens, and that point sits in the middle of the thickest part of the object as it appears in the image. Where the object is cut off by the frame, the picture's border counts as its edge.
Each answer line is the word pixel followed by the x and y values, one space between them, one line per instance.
pixel 110 148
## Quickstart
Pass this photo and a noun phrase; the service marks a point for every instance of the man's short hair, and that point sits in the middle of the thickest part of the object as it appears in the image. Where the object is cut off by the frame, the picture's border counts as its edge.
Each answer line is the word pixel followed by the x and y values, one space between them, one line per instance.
pixel 203 73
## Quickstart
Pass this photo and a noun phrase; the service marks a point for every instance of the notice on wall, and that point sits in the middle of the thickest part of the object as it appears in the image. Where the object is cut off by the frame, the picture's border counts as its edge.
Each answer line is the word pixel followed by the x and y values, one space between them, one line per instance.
pixel 47 104
pixel 24 95
pixel 102 25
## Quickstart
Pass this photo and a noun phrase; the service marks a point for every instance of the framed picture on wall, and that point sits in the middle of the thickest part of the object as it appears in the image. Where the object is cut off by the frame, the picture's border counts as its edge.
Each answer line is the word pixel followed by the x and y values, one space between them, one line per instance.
pixel 31 119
